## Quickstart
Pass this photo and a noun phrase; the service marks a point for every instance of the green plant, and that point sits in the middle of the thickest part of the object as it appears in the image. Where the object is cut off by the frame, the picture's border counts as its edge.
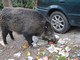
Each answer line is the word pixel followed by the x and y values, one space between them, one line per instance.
pixel 24 3
pixel 1 5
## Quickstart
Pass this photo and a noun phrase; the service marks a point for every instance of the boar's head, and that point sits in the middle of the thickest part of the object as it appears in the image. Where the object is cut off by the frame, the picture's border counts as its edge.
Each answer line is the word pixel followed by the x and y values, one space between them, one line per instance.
pixel 48 32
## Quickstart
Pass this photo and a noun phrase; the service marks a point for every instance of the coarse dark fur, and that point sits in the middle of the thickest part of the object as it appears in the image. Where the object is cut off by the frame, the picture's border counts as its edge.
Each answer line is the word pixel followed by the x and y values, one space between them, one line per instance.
pixel 25 21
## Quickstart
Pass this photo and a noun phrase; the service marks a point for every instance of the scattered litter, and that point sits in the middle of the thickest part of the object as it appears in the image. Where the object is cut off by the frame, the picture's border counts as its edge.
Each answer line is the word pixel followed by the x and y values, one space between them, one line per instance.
pixel 62 46
pixel 29 54
pixel 43 53
pixel 61 41
pixel 74 46
pixel 40 59
pixel 52 49
pixel 37 57
pixel 35 39
pixel 38 53
pixel 78 54
pixel 66 54
pixel 10 59
pixel 29 58
pixel 34 44
pixel 44 58
pixel 38 49
pixel 51 42
pixel 25 45
pixel 57 37
pixel 42 42
pixel 63 53
pixel 17 54
pixel 68 49
pixel 60 49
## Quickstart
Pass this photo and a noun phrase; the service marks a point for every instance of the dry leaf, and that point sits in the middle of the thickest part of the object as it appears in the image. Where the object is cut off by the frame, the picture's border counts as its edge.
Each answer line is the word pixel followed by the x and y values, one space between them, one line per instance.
pixel 25 45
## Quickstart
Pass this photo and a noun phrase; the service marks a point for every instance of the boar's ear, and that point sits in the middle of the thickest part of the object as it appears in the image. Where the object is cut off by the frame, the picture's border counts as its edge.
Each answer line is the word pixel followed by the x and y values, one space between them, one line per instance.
pixel 48 26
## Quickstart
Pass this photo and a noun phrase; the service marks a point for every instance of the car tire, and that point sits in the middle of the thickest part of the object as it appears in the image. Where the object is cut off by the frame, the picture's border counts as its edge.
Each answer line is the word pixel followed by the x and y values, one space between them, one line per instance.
pixel 59 22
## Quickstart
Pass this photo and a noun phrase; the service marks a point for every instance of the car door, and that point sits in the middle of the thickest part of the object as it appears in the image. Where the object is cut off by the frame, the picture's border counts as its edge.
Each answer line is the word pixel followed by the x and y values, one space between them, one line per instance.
pixel 73 9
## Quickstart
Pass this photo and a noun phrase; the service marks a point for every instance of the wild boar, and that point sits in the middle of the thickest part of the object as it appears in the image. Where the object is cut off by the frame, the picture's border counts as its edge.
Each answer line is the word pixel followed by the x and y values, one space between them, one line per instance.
pixel 27 22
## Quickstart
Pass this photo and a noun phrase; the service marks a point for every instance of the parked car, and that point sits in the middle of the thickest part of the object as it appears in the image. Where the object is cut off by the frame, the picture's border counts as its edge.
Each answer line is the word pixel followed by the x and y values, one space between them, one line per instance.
pixel 62 13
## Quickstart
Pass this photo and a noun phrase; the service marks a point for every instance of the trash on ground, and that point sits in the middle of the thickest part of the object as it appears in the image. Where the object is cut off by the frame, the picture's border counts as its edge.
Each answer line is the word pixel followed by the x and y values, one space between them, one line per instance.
pixel 74 46
pixel 44 58
pixel 68 49
pixel 10 59
pixel 51 42
pixel 78 54
pixel 34 44
pixel 37 57
pixel 29 54
pixel 63 41
pixel 61 48
pixel 35 39
pixel 52 49
pixel 17 54
pixel 57 37
pixel 25 45
pixel 42 42
pixel 43 53
pixel 38 53
pixel 40 59
pixel 29 58
pixel 63 53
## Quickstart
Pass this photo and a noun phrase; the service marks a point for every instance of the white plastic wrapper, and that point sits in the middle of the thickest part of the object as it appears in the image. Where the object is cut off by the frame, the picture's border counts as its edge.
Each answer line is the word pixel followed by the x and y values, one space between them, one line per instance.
pixel 53 49
pixel 17 54
pixel 35 39
pixel 10 59
pixel 29 58
pixel 68 49
pixel 57 37
pixel 63 53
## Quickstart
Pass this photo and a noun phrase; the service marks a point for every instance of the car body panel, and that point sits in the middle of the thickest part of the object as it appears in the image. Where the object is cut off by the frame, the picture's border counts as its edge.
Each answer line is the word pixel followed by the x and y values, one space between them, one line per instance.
pixel 71 8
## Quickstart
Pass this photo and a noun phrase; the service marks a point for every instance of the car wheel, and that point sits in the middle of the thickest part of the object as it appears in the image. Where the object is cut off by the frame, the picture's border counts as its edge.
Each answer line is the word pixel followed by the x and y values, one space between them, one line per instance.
pixel 59 22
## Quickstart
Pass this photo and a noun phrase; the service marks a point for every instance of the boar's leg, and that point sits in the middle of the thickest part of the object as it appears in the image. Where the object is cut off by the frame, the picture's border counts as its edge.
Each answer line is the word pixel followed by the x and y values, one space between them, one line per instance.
pixel 11 35
pixel 4 34
pixel 29 39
